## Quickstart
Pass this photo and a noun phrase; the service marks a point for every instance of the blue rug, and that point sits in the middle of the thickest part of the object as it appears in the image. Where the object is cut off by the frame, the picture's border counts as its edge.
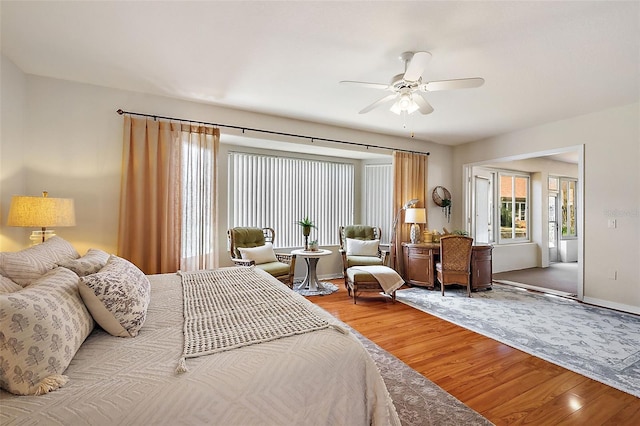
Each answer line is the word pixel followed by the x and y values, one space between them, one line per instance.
pixel 598 343
pixel 328 289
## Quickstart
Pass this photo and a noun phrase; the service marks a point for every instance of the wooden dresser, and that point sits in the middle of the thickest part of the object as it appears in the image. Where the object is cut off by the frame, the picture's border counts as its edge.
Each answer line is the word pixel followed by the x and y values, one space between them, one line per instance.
pixel 420 260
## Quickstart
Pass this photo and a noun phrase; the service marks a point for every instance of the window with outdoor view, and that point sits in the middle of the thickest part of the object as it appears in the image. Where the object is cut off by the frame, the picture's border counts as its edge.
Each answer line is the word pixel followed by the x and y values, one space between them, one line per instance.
pixel 514 207
pixel 568 207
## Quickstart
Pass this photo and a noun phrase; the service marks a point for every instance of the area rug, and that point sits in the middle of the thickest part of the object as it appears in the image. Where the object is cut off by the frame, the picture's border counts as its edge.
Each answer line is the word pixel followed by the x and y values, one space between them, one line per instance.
pixel 418 401
pixel 328 289
pixel 598 343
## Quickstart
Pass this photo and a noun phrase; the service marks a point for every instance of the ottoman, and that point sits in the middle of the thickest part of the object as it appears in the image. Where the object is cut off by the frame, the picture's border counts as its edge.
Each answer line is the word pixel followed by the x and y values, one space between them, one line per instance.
pixel 360 281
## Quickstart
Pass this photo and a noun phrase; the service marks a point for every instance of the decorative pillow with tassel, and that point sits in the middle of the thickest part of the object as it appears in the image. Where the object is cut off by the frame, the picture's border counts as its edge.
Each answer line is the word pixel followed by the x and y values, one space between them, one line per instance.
pixel 41 328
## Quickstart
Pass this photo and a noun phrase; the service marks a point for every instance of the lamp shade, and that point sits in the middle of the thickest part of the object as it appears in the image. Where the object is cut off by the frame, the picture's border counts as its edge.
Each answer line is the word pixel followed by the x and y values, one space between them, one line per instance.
pixel 41 212
pixel 415 216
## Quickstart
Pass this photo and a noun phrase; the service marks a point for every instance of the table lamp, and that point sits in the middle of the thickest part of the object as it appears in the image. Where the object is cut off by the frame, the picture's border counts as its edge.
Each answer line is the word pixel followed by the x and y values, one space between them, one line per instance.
pixel 41 212
pixel 414 217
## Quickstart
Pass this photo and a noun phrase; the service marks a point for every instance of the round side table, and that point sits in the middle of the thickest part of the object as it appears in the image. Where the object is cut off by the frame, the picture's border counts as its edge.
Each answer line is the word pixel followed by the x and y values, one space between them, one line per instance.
pixel 311 257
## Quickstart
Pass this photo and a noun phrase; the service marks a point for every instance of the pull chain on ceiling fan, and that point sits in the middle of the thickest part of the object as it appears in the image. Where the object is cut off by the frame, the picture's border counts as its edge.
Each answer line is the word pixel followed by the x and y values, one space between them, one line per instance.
pixel 408 88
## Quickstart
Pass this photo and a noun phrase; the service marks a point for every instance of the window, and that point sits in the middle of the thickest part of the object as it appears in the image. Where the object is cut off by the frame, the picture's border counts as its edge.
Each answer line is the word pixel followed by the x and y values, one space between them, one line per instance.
pixel 378 204
pixel 276 192
pixel 514 207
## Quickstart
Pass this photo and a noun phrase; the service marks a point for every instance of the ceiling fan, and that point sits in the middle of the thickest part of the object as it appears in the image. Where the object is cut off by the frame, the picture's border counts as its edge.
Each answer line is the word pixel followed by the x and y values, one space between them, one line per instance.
pixel 407 88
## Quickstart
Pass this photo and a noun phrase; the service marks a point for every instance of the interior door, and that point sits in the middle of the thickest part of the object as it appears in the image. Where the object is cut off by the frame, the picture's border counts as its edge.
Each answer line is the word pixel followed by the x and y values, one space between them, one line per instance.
pixel 553 227
pixel 482 218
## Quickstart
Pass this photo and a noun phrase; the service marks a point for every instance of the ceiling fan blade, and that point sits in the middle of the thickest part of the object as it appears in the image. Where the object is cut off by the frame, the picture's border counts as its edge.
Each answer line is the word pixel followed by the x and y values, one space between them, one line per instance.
pixel 416 66
pixel 378 103
pixel 423 106
pixel 365 84
pixel 462 83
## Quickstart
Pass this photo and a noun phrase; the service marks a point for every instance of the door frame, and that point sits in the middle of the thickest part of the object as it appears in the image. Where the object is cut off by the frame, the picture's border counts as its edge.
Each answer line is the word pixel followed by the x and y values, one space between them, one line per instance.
pixel 542 211
pixel 556 197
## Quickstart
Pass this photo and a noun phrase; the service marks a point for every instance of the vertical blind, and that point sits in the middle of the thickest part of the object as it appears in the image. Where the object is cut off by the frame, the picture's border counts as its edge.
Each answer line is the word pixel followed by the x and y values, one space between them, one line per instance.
pixel 276 192
pixel 378 200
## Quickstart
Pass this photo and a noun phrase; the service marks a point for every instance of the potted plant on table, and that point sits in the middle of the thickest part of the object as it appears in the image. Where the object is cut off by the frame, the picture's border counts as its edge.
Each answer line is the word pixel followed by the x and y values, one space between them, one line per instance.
pixel 306 224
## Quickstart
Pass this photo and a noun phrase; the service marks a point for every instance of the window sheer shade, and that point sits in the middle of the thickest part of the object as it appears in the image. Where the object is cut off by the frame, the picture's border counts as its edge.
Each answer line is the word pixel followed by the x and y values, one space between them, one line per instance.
pixel 199 199
pixel 278 191
pixel 378 199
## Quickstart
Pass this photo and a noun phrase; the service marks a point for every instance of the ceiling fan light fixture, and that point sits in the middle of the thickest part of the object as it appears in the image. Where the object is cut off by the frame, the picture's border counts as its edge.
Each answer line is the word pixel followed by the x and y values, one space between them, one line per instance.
pixel 404 103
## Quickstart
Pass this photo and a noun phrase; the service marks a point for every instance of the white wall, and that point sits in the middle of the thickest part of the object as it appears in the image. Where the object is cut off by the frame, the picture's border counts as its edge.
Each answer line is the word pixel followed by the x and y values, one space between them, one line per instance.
pixel 611 140
pixel 13 180
pixel 71 137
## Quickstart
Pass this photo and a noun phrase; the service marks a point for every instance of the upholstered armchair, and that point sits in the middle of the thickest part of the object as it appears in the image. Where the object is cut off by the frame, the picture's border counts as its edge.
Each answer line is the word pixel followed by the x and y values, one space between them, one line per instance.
pixel 455 261
pixel 360 246
pixel 254 246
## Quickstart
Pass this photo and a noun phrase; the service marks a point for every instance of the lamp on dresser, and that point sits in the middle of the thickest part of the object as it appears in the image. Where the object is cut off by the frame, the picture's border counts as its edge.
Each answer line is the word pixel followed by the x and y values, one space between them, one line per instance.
pixel 414 217
pixel 41 212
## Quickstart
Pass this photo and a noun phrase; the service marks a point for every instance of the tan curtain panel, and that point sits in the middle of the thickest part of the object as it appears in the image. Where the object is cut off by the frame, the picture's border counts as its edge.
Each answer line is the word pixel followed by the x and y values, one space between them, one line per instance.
pixel 409 182
pixel 150 216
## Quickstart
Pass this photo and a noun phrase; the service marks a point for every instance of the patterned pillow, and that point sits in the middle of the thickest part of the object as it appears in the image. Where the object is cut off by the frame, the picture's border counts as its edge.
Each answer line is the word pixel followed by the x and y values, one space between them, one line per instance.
pixel 90 263
pixel 260 254
pixel 117 297
pixel 41 328
pixel 8 286
pixel 27 265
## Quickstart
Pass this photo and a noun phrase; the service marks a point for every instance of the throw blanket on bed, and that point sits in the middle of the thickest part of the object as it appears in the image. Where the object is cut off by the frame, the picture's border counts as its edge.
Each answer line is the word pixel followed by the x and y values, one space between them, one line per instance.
pixel 233 307
pixel 389 279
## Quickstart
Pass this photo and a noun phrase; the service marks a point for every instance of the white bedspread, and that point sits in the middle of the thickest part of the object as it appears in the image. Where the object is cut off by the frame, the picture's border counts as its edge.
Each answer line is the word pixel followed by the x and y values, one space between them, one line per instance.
pixel 317 378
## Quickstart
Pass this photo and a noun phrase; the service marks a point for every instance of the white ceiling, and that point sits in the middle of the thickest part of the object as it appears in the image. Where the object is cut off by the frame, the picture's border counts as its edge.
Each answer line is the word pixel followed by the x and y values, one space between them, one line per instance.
pixel 542 61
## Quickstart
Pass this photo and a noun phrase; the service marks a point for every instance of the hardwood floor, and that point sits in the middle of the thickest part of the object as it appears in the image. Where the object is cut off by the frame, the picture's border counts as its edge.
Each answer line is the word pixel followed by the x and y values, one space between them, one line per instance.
pixel 507 386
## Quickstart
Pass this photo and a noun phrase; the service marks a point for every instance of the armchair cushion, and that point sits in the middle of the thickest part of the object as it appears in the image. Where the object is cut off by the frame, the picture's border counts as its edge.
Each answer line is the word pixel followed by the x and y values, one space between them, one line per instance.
pixel 360 232
pixel 260 254
pixel 245 237
pixel 362 247
pixel 363 261
pixel 275 268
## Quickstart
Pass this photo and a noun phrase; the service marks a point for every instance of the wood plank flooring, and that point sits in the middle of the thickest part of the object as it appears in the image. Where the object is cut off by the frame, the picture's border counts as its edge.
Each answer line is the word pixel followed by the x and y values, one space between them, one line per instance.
pixel 506 385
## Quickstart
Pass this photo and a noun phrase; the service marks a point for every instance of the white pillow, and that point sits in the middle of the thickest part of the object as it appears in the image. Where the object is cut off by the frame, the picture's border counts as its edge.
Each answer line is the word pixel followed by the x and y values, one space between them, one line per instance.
pixel 362 247
pixel 8 286
pixel 26 266
pixel 260 254
pixel 90 263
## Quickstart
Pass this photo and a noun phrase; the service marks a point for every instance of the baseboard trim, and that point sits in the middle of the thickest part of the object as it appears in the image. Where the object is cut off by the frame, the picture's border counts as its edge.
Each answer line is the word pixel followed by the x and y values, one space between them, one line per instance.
pixel 536 288
pixel 612 305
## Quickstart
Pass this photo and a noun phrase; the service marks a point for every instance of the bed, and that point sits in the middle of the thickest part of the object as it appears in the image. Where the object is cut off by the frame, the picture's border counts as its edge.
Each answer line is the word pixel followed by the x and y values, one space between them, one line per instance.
pixel 323 376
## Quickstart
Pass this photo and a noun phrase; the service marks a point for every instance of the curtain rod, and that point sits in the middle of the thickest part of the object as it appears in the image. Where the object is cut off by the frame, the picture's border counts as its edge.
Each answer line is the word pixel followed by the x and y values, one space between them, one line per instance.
pixel 312 138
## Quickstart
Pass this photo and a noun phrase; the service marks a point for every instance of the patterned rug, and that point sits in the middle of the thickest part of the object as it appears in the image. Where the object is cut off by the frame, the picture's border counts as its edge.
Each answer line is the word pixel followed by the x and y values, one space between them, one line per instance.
pixel 598 343
pixel 328 289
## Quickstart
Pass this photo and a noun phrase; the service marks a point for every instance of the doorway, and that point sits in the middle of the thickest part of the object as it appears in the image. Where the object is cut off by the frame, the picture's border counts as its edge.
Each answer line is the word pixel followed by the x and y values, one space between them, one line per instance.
pixel 544 246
